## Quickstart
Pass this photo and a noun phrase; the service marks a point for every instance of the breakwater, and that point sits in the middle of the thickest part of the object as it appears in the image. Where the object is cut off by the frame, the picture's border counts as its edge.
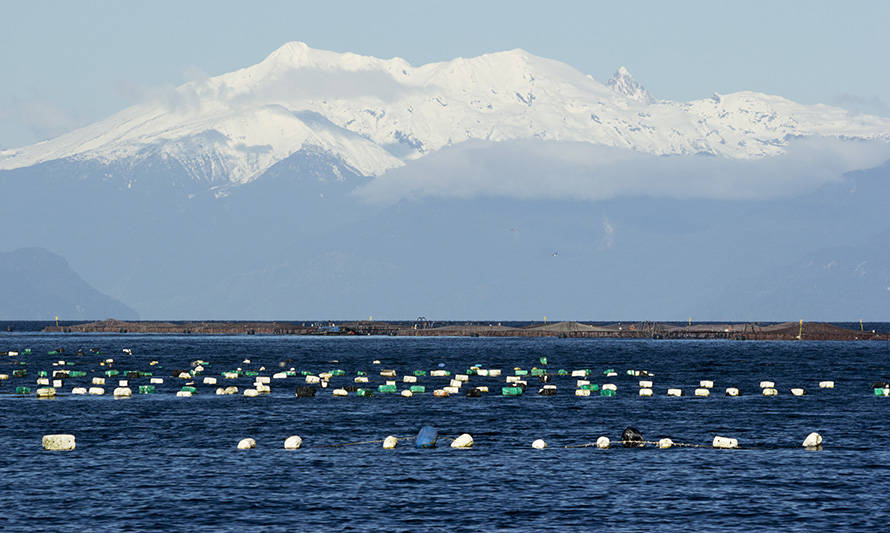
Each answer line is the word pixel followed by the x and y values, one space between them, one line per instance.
pixel 636 330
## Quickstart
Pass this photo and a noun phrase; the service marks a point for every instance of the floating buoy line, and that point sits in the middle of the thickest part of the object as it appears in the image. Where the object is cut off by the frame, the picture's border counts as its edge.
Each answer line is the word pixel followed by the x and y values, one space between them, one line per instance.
pixel 428 437
pixel 113 378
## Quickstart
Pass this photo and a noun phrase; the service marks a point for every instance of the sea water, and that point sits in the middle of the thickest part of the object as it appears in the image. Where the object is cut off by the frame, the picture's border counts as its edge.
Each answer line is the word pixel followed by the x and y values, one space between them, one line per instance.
pixel 158 462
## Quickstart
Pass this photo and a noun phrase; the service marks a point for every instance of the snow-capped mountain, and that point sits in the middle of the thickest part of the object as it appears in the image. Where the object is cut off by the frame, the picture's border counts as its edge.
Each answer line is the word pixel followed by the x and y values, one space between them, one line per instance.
pixel 369 115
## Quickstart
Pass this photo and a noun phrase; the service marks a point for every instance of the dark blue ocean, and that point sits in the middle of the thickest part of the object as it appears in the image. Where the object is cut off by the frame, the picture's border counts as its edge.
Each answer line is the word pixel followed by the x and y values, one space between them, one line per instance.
pixel 158 462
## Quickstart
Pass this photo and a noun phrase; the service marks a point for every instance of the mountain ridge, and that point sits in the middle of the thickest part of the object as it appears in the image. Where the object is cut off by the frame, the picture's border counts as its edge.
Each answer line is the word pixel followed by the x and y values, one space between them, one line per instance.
pixel 378 114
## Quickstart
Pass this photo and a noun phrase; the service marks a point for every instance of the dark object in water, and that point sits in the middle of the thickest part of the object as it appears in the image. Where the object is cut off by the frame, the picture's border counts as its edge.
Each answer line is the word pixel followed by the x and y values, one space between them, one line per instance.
pixel 426 437
pixel 880 385
pixel 632 438
pixel 351 388
pixel 545 378
pixel 547 392
pixel 474 393
pixel 305 392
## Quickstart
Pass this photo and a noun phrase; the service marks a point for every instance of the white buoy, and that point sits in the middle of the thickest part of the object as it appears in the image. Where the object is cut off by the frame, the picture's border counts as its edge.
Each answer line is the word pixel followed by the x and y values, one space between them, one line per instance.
pixel 767 384
pixel 57 383
pixel 645 392
pixel 312 379
pixel 262 388
pixel 826 384
pixel 675 392
pixel 725 443
pixel 665 443
pixel 79 390
pixel 123 383
pixel 813 440
pixel 293 442
pixel 579 373
pixel 582 392
pixel 123 392
pixel 232 390
pixel 451 390
pixel 483 388
pixel 645 384
pixel 245 362
pixel 59 442
pixel 251 393
pixel 409 379
pixel 43 381
pixel 610 386
pixel 46 392
pixel 733 391
pixel 390 443
pixel 581 382
pixel 539 444
pixel 407 393
pixel 462 377
pixel 464 441
pixel 98 381
pixel 209 380
pixel 494 372
pixel 279 375
pixel 156 381
pixel 611 374
pixel 265 380
pixel 246 444
pixel 798 391
pixel 96 391
pixel 183 394
pixel 706 384
pixel 440 393
pixel 702 392
pixel 456 383
pixel 769 391
pixel 603 442
pixel 220 391
pixel 388 373
pixel 375 362
pixel 230 375
pixel 340 392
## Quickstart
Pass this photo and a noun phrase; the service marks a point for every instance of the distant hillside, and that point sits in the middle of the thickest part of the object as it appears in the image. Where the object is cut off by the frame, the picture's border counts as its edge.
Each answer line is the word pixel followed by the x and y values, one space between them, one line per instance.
pixel 36 284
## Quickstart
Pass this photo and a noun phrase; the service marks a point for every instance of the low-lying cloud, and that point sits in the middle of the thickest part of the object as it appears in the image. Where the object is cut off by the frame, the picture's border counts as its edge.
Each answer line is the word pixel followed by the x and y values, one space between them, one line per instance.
pixel 574 170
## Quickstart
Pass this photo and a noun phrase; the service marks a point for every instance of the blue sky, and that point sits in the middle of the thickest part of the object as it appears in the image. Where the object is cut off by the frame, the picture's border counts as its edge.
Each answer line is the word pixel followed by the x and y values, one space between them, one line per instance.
pixel 65 64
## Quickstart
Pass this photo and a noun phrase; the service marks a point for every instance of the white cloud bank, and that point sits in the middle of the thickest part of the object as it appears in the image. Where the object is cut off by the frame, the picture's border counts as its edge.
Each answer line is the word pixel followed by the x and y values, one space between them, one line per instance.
pixel 573 170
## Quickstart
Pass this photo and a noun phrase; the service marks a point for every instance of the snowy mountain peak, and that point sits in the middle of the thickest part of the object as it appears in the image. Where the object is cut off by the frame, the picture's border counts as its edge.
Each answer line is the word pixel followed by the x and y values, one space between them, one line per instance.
pixel 624 84
pixel 370 115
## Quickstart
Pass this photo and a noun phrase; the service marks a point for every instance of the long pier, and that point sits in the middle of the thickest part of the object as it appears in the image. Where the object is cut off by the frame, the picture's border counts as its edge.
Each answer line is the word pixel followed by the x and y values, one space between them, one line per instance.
pixel 637 330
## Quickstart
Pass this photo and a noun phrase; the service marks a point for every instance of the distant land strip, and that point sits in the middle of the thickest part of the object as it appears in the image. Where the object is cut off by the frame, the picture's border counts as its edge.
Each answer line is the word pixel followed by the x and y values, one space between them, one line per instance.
pixel 636 330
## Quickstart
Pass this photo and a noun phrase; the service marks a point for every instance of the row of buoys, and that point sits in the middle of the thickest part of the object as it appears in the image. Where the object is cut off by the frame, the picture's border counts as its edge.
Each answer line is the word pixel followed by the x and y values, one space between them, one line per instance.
pixel 516 384
pixel 428 437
